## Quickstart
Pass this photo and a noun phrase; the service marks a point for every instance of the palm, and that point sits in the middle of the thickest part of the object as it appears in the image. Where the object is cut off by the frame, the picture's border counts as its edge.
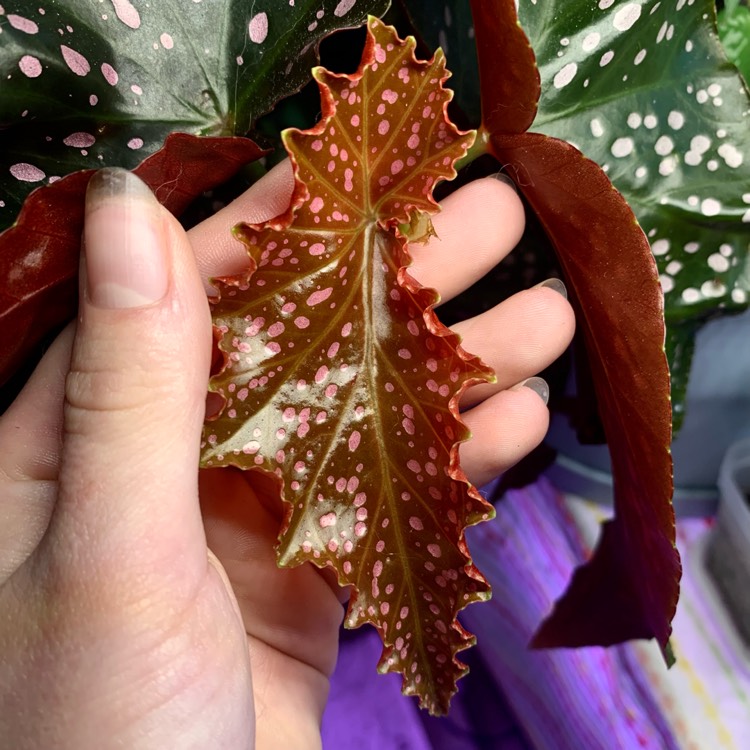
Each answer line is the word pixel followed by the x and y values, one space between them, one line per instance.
pixel 291 616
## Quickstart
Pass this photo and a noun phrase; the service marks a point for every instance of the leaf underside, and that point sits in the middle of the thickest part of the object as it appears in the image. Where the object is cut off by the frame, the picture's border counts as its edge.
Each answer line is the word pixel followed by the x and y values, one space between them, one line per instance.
pixel 39 254
pixel 614 286
pixel 340 380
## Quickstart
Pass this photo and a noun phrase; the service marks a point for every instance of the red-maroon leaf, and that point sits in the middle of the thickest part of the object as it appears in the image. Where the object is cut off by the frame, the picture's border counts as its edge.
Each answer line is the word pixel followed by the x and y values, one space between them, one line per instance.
pixel 630 587
pixel 509 79
pixel 39 253
pixel 341 381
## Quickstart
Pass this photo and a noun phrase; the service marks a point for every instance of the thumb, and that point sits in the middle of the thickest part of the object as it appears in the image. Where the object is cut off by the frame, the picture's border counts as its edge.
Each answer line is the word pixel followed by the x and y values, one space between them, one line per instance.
pixel 135 392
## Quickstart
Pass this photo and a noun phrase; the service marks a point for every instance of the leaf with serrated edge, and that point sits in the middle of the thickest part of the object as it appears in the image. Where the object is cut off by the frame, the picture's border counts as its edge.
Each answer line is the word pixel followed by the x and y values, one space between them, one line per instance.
pixel 340 380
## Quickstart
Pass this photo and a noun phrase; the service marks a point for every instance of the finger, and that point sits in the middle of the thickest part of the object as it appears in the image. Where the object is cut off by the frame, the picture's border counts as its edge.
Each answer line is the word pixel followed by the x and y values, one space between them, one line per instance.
pixel 504 429
pixel 218 253
pixel 30 436
pixel 134 396
pixel 486 215
pixel 519 337
pixel 477 227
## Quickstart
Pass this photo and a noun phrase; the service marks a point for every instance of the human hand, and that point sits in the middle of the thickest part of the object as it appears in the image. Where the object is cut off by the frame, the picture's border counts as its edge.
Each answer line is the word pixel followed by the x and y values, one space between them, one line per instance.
pixel 136 613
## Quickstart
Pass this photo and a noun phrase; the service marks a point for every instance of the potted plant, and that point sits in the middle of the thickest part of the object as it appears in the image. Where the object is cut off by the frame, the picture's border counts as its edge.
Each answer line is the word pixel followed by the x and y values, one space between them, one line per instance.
pixel 89 86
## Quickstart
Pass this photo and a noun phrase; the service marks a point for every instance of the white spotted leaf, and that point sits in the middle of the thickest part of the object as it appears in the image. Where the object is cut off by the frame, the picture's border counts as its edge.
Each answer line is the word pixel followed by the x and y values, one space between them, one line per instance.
pixel 644 89
pixel 90 84
pixel 654 101
pixel 339 379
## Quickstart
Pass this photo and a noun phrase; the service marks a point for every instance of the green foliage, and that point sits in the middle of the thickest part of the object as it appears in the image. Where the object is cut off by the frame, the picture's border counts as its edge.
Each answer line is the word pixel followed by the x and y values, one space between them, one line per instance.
pixel 645 90
pixel 734 30
pixel 86 85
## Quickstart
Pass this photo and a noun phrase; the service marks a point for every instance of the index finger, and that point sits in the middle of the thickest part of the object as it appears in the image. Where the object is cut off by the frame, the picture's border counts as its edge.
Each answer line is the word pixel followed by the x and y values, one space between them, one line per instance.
pixel 217 251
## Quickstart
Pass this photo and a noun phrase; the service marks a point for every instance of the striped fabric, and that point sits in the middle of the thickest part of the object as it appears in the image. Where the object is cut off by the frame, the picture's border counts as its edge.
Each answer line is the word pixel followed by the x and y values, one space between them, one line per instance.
pixel 588 698
pixel 622 698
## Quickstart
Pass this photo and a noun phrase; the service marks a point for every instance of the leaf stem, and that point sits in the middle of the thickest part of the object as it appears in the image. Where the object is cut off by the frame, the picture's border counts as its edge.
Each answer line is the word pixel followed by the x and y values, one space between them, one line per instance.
pixel 479 148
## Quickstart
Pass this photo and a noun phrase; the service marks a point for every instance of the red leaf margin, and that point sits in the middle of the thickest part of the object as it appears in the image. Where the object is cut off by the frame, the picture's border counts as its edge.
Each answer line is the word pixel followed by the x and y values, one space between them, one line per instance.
pixel 611 272
pixel 39 253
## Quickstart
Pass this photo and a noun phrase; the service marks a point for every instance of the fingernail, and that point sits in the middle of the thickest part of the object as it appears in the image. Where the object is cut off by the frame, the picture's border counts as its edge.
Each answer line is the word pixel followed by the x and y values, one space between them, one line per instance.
pixel 538 385
pixel 503 177
pixel 126 265
pixel 556 285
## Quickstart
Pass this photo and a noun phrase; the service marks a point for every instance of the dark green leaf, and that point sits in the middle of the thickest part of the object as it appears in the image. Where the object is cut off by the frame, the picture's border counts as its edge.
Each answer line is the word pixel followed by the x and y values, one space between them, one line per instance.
pixel 89 84
pixel 644 89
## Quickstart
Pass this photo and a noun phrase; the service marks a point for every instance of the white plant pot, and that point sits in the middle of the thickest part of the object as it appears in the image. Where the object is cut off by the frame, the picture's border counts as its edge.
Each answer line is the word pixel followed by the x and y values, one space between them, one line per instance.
pixel 717 413
pixel 728 550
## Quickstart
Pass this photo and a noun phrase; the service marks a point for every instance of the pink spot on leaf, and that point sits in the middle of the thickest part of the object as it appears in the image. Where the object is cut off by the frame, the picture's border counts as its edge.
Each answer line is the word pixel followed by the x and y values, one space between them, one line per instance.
pixel 343 7
pixel 110 74
pixel 22 24
pixel 30 66
pixel 166 41
pixel 127 13
pixel 75 61
pixel 354 440
pixel 317 249
pixel 327 520
pixel 135 143
pixel 320 296
pixel 258 28
pixel 27 172
pixel 80 140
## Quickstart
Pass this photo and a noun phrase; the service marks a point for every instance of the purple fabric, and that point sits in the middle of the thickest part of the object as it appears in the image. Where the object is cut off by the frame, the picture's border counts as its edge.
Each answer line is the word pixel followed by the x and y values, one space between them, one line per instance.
pixel 366 711
pixel 513 698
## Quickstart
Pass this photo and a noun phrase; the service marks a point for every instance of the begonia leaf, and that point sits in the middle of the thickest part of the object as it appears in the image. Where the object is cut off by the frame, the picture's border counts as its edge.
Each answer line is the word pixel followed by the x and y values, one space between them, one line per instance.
pixel 614 286
pixel 675 140
pixel 645 90
pixel 39 254
pixel 340 380
pixel 89 84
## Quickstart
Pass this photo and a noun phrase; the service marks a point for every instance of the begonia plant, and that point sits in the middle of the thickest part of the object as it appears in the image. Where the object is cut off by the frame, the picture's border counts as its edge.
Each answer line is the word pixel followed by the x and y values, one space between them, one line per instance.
pixel 338 381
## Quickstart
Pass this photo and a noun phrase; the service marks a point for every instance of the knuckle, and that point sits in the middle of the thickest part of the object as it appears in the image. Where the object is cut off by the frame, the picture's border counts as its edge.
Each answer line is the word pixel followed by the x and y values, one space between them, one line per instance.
pixel 92 389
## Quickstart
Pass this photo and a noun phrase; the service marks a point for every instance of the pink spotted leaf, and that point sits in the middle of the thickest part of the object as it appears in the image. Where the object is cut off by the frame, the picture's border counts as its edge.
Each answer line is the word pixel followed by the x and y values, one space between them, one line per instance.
pixel 339 379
